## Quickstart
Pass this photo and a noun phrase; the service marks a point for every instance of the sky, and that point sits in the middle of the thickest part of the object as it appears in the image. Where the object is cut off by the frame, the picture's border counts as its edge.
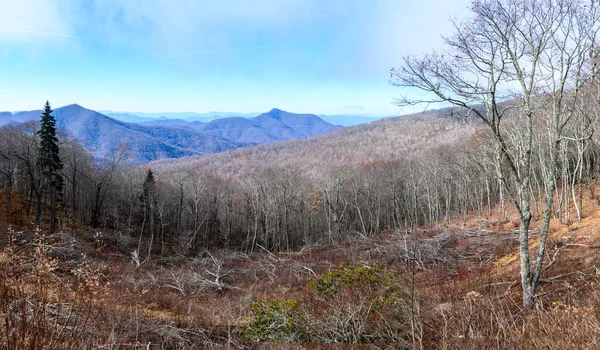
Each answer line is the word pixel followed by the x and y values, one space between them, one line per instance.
pixel 304 56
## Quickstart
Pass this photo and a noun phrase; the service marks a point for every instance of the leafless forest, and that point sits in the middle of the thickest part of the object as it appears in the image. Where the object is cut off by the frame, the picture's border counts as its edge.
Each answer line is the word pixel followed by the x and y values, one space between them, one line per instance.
pixel 402 173
pixel 409 232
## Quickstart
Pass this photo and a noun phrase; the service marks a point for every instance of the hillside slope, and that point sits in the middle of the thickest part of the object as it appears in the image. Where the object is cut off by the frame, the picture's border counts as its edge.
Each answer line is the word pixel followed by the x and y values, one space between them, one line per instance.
pixel 170 122
pixel 238 129
pixel 175 138
pixel 101 134
pixel 386 139
pixel 283 125
pixel 138 117
pixel 460 292
pixel 275 125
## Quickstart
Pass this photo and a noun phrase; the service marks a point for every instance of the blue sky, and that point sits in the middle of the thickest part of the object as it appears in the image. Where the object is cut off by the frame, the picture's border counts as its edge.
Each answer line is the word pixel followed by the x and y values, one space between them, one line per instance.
pixel 321 56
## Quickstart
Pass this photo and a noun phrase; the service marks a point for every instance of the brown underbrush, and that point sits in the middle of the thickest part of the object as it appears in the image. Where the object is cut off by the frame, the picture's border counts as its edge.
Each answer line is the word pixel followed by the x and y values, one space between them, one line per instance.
pixel 452 287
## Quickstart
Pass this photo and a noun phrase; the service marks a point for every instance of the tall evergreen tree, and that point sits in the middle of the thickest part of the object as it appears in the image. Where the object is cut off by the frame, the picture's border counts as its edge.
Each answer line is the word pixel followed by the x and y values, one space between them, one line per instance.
pixel 49 165
pixel 148 199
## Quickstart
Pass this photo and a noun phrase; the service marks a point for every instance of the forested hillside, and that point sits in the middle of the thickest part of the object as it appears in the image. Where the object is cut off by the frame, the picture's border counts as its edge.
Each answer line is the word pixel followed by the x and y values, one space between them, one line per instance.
pixel 389 139
pixel 473 226
pixel 173 138
pixel 404 172
pixel 101 135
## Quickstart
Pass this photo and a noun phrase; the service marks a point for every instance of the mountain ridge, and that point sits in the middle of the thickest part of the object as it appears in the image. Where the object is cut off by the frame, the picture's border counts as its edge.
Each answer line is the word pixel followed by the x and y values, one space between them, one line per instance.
pixel 101 134
pixel 139 117
pixel 175 138
pixel 382 140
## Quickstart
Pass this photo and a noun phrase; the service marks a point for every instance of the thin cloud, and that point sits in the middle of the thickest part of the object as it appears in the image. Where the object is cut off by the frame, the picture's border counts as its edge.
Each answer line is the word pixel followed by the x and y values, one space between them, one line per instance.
pixel 32 20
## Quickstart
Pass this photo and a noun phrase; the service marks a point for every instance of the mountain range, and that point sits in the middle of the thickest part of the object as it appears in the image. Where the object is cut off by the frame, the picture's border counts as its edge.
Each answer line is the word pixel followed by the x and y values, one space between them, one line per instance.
pixel 138 117
pixel 174 138
pixel 403 137
pixel 157 118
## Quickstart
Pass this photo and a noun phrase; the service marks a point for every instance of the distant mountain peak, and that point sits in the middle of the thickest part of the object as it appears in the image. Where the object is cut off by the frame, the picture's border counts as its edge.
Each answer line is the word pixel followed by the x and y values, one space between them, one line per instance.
pixel 276 112
pixel 73 105
pixel 164 137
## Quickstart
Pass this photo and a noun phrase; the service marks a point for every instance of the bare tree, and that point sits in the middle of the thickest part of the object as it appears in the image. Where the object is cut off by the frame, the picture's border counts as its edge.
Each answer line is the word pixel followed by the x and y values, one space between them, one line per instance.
pixel 504 58
pixel 103 176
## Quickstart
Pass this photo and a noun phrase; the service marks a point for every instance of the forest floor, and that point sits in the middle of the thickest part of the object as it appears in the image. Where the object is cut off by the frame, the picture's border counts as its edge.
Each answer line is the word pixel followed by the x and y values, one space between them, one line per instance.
pixel 455 286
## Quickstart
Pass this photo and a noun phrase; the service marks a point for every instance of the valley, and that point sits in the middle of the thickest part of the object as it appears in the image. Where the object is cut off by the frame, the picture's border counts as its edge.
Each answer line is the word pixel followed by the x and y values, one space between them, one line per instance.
pixel 204 251
pixel 174 138
pixel 471 220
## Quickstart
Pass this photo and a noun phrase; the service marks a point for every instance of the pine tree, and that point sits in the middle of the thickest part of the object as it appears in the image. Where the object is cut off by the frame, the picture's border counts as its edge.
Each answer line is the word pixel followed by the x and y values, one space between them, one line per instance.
pixel 148 199
pixel 49 164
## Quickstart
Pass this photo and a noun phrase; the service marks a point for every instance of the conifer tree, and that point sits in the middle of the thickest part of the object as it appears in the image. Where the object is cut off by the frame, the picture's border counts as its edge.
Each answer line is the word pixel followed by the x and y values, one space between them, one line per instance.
pixel 49 165
pixel 148 200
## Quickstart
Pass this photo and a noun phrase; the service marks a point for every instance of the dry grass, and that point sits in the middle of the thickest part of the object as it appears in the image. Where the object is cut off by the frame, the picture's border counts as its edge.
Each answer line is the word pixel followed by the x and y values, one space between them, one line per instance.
pixel 74 292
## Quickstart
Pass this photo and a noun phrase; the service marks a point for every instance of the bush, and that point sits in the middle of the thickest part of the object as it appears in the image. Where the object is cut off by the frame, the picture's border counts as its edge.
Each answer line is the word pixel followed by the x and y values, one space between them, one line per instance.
pixel 360 304
pixel 350 304
pixel 274 321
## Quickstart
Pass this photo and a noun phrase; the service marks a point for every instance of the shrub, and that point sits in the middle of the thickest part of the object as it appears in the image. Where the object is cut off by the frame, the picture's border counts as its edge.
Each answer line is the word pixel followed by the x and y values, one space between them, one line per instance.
pixel 350 304
pixel 360 304
pixel 273 320
pixel 330 283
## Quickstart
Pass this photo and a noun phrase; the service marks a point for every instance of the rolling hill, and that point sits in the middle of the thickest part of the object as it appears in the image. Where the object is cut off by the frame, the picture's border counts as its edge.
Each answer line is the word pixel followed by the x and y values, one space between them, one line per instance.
pixel 386 139
pixel 175 138
pixel 275 125
pixel 239 129
pixel 101 134
pixel 136 117
pixel 171 122
pixel 284 126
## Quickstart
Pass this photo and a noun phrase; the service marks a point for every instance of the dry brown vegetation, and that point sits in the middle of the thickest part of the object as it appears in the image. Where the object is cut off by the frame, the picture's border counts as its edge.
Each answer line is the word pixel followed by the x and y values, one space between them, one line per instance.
pixel 456 287
pixel 395 234
pixel 410 251
pixel 280 198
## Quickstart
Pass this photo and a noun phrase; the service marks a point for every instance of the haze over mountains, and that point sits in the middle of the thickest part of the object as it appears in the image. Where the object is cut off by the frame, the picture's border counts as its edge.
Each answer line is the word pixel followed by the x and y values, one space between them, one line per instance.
pixel 385 140
pixel 174 138
pixel 157 118
pixel 276 125
pixel 139 117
